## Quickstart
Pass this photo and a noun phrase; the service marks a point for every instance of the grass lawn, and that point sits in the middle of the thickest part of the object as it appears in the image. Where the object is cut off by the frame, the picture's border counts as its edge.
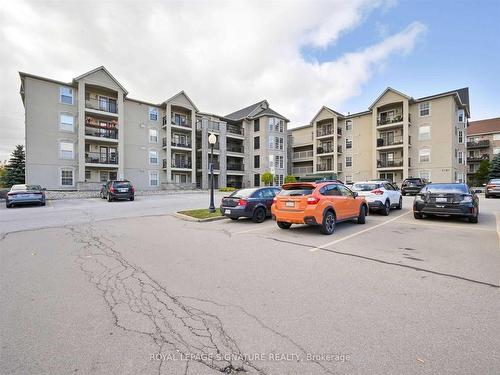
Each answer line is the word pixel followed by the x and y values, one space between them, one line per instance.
pixel 201 213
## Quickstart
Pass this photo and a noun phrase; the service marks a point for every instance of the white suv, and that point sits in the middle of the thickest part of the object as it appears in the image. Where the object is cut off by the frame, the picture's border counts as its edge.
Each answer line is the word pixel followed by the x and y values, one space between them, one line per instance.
pixel 380 195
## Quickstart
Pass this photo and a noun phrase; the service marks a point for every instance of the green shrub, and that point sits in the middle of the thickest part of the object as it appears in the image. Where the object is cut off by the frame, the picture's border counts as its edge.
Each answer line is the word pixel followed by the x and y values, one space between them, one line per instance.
pixel 227 189
pixel 289 179
pixel 267 178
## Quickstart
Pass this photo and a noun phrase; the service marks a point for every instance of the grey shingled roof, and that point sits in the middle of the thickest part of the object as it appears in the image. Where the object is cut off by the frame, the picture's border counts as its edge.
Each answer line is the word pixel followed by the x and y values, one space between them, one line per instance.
pixel 244 112
pixel 463 94
pixel 254 111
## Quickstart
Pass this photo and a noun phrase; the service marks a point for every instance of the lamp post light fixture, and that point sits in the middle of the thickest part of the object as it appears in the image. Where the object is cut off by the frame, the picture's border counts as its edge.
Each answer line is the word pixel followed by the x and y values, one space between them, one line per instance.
pixel 212 140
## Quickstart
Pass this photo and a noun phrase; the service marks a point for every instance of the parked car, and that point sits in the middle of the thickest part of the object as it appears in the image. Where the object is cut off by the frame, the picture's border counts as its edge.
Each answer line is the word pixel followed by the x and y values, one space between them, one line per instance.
pixel 254 203
pixel 116 190
pixel 24 194
pixel 453 199
pixel 381 196
pixel 412 185
pixel 492 188
pixel 323 204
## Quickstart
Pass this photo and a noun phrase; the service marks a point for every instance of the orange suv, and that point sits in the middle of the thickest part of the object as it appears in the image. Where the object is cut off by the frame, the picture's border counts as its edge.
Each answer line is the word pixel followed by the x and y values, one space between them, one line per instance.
pixel 317 203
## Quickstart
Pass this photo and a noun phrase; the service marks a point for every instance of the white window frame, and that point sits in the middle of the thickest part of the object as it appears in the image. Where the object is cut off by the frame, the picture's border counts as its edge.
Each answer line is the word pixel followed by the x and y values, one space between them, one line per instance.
pixel 420 109
pixel 61 170
pixel 348 125
pixel 425 173
pixel 496 150
pixel 155 138
pixel 69 94
pixel 348 157
pixel 151 174
pixel 496 137
pixel 61 142
pixel 420 154
pixel 461 113
pixel 270 143
pixel 153 111
pixel 63 124
pixel 420 137
pixel 157 157
pixel 460 157
pixel 348 140
pixel 461 136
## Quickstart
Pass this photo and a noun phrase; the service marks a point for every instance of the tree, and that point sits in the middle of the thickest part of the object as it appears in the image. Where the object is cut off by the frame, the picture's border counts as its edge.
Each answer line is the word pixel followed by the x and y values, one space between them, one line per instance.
pixel 2 173
pixel 495 167
pixel 482 172
pixel 267 178
pixel 289 179
pixel 14 170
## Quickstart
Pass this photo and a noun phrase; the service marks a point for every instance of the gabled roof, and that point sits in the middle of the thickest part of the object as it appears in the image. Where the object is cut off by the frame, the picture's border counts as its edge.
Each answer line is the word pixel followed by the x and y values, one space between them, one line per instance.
pixel 105 71
pixel 387 90
pixel 254 111
pixel 187 97
pixel 335 113
pixel 461 94
pixel 487 126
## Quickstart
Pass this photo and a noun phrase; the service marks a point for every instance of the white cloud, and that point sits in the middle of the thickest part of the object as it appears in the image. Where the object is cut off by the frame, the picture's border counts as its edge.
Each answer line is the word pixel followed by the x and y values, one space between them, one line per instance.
pixel 225 54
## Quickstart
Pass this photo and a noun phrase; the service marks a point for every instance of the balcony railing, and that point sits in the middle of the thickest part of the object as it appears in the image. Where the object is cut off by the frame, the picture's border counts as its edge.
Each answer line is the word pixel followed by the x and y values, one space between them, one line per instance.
pixel 478 158
pixel 339 132
pixel 302 155
pixel 234 167
pixel 302 170
pixel 108 105
pixel 393 141
pixel 389 163
pixel 339 149
pixel 180 144
pixel 324 131
pixel 324 150
pixel 101 132
pixel 324 167
pixel 101 158
pixel 178 121
pixel 235 129
pixel 181 163
pixel 235 148
pixel 389 120
pixel 479 144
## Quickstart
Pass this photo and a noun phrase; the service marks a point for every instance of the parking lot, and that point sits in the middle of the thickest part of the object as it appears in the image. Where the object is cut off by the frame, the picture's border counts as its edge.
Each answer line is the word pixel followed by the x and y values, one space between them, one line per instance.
pixel 126 287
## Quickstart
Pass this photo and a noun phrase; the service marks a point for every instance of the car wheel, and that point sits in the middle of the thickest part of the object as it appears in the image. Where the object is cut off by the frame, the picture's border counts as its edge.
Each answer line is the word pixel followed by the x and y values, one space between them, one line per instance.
pixel 387 208
pixel 416 215
pixel 400 205
pixel 132 198
pixel 8 205
pixel 328 225
pixel 403 193
pixel 487 196
pixel 110 199
pixel 259 215
pixel 362 215
pixel 234 218
pixel 474 219
pixel 43 203
pixel 284 225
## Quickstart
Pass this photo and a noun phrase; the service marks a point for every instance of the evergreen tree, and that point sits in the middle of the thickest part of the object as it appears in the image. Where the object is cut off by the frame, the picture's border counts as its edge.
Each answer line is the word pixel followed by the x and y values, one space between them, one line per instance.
pixel 495 167
pixel 14 170
pixel 482 172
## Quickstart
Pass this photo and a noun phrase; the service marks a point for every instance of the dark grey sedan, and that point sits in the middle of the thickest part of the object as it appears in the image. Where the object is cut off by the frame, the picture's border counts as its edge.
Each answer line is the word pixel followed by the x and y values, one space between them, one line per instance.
pixel 25 194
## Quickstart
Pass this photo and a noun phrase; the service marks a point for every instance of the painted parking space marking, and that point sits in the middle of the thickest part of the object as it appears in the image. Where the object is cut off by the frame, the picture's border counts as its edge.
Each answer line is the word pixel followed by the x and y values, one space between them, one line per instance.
pixel 254 229
pixel 358 233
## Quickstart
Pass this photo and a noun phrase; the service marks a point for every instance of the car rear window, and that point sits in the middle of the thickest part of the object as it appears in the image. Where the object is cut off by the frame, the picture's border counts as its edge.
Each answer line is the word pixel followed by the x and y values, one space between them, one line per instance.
pixel 413 180
pixel 33 187
pixel 121 184
pixel 365 187
pixel 18 187
pixel 495 181
pixel 297 190
pixel 445 188
pixel 242 193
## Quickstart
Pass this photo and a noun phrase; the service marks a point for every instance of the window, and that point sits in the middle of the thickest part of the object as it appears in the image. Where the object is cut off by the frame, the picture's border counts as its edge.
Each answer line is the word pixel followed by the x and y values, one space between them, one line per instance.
pixel 103 176
pixel 113 176
pixel 496 150
pixel 88 175
pixel 424 133
pixel 256 161
pixel 67 177
pixel 460 136
pixel 348 161
pixel 66 122
pixel 278 179
pixel 153 114
pixel 496 137
pixel 348 125
pixel 153 136
pixel 256 126
pixel 66 95
pixel 279 161
pixel 348 143
pixel 461 115
pixel 153 157
pixel 256 143
pixel 348 178
pixel 256 179
pixel 66 150
pixel 425 174
pixel 271 162
pixel 424 109
pixel 275 124
pixel 271 142
pixel 424 155
pixel 460 157
pixel 154 179
pixel 278 143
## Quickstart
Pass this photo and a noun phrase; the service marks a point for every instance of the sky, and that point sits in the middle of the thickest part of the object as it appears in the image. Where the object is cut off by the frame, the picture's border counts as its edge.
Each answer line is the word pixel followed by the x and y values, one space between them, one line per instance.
pixel 297 54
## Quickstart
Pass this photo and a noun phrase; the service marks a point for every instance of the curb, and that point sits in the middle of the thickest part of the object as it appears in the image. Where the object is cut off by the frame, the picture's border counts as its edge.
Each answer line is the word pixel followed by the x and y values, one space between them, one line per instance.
pixel 189 218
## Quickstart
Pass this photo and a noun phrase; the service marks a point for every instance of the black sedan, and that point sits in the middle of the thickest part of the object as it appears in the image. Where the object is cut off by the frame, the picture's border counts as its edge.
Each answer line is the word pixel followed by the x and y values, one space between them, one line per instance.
pixel 116 190
pixel 453 199
pixel 25 194
pixel 254 203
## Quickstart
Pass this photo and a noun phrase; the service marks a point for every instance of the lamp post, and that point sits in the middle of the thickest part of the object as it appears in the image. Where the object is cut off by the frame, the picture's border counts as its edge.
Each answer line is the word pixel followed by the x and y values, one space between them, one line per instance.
pixel 212 139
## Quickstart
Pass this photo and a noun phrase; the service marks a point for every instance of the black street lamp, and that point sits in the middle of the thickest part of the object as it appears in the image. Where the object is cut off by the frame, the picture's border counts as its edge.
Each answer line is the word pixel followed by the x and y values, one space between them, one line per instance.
pixel 212 139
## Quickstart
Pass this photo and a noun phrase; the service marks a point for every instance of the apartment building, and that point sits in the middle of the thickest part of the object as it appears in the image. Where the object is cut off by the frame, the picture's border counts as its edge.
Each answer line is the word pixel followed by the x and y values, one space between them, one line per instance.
pixel 483 143
pixel 84 132
pixel 397 137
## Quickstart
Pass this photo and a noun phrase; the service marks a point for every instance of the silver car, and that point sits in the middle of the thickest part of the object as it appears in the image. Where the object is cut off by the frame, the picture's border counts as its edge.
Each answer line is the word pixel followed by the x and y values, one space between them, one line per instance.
pixel 24 194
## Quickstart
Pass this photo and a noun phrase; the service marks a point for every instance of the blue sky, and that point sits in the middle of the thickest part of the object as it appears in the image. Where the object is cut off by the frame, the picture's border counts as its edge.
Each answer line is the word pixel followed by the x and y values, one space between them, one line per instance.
pixel 461 47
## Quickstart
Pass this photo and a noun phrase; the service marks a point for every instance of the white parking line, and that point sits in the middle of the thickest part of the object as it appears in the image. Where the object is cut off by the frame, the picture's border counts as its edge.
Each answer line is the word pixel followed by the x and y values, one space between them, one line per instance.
pixel 254 229
pixel 358 233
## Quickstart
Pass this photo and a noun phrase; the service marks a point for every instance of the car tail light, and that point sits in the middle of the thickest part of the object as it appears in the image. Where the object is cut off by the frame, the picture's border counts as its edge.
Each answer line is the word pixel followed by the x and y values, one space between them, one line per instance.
pixel 111 189
pixel 133 189
pixel 377 192
pixel 466 198
pixel 242 202
pixel 312 200
pixel 11 194
pixel 490 186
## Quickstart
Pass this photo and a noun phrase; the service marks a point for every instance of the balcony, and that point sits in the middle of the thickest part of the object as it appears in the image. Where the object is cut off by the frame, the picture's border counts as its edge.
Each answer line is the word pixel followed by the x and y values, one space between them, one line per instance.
pixel 101 158
pixel 233 129
pixel 321 132
pixel 103 104
pixel 479 144
pixel 339 132
pixel 324 150
pixel 234 167
pixel 324 167
pixel 235 148
pixel 390 141
pixel 180 144
pixel 396 163
pixel 302 170
pixel 184 164
pixel 178 120
pixel 478 158
pixel 302 155
pixel 339 149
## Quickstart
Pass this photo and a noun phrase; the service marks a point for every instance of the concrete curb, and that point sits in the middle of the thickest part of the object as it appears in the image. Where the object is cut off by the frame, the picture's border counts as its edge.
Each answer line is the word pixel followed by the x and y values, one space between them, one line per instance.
pixel 189 218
